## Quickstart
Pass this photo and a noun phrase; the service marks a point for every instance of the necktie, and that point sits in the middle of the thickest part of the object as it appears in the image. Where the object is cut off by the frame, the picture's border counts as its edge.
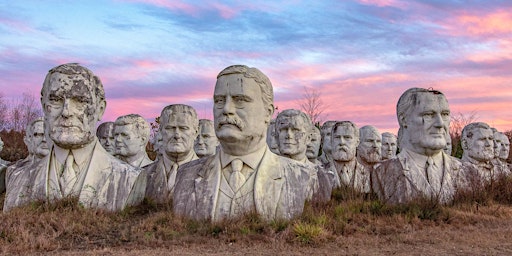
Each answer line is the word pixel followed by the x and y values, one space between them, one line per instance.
pixel 171 177
pixel 236 179
pixel 428 169
pixel 68 176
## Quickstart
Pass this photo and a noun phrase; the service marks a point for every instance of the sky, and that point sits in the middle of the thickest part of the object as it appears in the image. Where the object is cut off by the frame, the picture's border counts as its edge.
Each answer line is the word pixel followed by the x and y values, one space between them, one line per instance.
pixel 360 55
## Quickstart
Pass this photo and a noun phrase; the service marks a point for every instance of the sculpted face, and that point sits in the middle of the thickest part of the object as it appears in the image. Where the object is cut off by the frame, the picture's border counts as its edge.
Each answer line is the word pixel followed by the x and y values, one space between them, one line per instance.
pixel 480 146
pixel 240 114
pixel 206 141
pixel 313 146
pixel 505 147
pixel 178 134
pixel 38 141
pixel 71 110
pixel 389 147
pixel 428 123
pixel 1 145
pixel 369 146
pixel 448 148
pixel 326 136
pixel 106 138
pixel 272 142
pixel 497 144
pixel 344 143
pixel 293 136
pixel 127 141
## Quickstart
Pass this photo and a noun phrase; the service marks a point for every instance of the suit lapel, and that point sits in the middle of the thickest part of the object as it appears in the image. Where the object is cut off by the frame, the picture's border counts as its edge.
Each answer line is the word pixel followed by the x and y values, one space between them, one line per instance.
pixel 97 175
pixel 268 184
pixel 207 185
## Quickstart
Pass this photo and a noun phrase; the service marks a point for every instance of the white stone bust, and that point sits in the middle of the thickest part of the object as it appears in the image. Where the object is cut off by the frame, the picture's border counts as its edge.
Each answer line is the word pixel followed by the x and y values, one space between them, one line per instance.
pixel 179 128
pixel 504 148
pixel 370 143
pixel 449 147
pixel 105 134
pixel 206 142
pixel 389 145
pixel 344 140
pixel 244 175
pixel 421 169
pixel 73 101
pixel 293 133
pixel 313 147
pixel 272 142
pixel 498 145
pixel 325 131
pixel 477 141
pixel 2 162
pixel 131 136
pixel 36 139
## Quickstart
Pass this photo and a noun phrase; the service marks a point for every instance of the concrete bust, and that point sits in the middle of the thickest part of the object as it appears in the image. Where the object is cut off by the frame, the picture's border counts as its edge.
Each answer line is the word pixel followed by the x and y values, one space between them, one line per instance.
pixel 73 101
pixel 105 134
pixel 206 142
pixel 244 175
pixel 389 146
pixel 131 134
pixel 178 130
pixel 421 169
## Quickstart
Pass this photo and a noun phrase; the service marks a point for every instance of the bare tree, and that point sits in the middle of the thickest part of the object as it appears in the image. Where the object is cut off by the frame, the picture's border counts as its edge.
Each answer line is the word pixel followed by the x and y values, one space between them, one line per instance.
pixel 3 112
pixel 457 123
pixel 22 111
pixel 312 104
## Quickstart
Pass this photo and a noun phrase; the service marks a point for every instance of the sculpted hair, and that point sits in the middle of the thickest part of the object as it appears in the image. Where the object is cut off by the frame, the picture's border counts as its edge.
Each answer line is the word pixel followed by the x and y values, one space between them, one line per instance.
pixel 409 100
pixel 294 112
pixel 388 135
pixel 75 69
pixel 103 127
pixel 29 130
pixel 468 131
pixel 315 132
pixel 141 125
pixel 267 92
pixel 179 109
pixel 206 122
pixel 346 124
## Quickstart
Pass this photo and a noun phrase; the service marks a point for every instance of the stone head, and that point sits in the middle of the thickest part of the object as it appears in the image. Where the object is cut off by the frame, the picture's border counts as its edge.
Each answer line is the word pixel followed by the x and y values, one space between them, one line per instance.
pixel 178 128
pixel 206 141
pixel 424 119
pixel 325 131
pixel 272 142
pixel 105 134
pixel 73 101
pixel 389 145
pixel 344 139
pixel 1 144
pixel 243 107
pixel 131 133
pixel 313 147
pixel 293 128
pixel 504 147
pixel 449 147
pixel 369 148
pixel 477 141
pixel 35 138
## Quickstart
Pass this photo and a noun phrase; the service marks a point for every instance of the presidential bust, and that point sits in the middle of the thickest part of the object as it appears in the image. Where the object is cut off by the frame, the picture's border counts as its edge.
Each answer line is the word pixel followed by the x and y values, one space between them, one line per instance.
pixel 105 134
pixel 421 169
pixel 177 130
pixel 131 134
pixel 477 141
pixel 369 148
pixel 206 142
pixel 244 175
pixel 389 145
pixel 73 101
pixel 18 175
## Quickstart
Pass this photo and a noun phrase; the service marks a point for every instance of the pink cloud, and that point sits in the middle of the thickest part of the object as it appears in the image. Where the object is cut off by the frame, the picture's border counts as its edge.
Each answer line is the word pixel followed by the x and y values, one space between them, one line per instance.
pixel 474 24
pixel 383 3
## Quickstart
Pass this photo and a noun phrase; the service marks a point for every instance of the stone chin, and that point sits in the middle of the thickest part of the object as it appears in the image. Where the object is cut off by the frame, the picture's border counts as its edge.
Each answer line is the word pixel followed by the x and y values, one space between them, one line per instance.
pixel 70 141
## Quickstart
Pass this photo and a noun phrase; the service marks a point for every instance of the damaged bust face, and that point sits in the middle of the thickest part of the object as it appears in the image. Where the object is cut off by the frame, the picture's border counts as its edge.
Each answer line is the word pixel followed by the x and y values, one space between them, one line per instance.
pixel 71 106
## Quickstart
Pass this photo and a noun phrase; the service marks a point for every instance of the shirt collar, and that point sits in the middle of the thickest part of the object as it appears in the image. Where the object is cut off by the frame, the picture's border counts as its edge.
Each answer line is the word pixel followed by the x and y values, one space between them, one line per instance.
pixel 421 160
pixel 169 162
pixel 81 155
pixel 252 160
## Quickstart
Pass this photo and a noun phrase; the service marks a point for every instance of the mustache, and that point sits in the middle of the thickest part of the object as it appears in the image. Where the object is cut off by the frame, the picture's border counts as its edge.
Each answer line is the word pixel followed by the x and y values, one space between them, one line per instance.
pixel 231 121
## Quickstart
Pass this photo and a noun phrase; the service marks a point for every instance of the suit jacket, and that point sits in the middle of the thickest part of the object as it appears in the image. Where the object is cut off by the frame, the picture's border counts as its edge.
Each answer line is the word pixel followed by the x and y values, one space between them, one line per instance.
pixel 17 181
pixel 109 182
pixel 395 182
pixel 280 187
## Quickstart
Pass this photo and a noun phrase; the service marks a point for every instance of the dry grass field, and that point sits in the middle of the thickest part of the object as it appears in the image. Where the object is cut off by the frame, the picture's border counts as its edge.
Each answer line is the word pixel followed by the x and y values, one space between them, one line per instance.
pixel 474 225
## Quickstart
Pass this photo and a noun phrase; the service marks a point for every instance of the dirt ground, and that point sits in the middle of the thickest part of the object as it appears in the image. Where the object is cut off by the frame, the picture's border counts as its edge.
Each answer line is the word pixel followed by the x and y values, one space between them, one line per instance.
pixel 492 237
